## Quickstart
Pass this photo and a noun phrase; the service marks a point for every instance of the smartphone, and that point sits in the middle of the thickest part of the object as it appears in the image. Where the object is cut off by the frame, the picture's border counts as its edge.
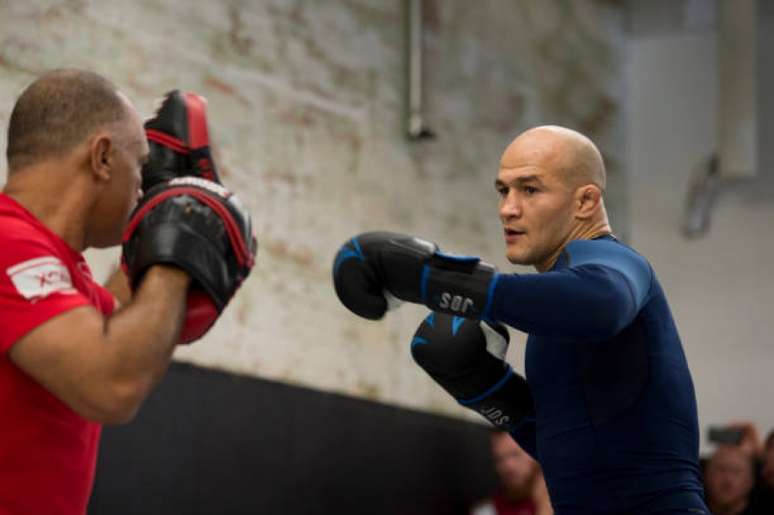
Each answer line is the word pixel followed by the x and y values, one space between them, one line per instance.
pixel 724 435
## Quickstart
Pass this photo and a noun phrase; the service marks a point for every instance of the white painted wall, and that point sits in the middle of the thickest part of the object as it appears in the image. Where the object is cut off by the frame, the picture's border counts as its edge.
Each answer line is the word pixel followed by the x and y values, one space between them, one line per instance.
pixel 307 106
pixel 720 287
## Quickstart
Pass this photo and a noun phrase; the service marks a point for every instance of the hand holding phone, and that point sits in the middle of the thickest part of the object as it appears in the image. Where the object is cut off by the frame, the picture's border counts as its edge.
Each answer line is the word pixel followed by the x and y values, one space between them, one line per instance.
pixel 724 435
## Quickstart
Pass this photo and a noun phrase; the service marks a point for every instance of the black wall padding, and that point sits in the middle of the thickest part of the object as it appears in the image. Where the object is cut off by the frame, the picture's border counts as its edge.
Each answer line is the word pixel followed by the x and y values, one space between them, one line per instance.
pixel 210 443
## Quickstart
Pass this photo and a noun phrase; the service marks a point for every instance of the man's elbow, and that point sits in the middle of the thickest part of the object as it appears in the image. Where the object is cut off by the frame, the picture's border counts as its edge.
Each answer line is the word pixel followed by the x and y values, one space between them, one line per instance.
pixel 114 404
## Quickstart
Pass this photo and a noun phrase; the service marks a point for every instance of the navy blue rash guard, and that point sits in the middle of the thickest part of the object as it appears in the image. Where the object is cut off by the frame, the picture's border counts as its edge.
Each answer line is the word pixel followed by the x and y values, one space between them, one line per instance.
pixel 616 427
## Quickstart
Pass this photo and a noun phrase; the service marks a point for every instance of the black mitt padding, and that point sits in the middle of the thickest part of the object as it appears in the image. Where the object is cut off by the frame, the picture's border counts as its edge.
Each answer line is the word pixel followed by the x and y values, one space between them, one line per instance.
pixel 200 227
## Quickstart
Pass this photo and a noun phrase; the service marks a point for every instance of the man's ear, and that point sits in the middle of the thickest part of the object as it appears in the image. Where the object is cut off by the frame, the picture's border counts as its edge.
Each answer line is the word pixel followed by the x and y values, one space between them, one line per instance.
pixel 587 201
pixel 100 155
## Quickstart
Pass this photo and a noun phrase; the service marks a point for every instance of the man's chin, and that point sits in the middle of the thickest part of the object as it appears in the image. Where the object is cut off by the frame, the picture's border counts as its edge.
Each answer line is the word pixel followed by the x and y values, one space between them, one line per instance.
pixel 518 259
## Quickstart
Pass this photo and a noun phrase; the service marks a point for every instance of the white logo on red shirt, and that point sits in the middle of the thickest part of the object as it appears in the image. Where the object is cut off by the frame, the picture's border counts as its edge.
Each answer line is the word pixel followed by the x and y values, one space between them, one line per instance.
pixel 37 278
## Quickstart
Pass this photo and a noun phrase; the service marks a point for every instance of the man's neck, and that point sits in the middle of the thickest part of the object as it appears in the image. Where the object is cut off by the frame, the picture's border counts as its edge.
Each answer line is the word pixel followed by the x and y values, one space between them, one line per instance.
pixel 57 203
pixel 580 232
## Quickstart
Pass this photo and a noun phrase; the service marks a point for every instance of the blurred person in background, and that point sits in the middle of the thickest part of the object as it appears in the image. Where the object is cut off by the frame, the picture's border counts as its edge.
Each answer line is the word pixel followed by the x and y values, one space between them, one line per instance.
pixel 763 494
pixel 522 489
pixel 728 481
pixel 743 436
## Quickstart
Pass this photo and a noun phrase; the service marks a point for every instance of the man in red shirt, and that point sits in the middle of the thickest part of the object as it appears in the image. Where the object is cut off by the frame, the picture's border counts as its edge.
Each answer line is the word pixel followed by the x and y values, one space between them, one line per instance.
pixel 71 358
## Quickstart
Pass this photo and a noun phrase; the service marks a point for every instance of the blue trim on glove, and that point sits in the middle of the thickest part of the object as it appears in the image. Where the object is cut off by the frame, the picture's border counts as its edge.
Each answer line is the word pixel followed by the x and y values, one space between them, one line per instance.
pixel 346 253
pixel 418 340
pixel 465 260
pixel 423 283
pixel 490 391
pixel 490 297
pixel 456 323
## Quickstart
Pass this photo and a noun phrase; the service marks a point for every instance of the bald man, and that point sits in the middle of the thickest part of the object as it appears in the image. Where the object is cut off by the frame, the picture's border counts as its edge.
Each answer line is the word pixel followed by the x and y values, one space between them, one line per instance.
pixel 608 406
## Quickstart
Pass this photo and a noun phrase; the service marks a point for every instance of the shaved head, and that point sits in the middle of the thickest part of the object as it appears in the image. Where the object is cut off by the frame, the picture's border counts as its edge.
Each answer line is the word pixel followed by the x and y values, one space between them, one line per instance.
pixel 550 184
pixel 573 157
pixel 57 112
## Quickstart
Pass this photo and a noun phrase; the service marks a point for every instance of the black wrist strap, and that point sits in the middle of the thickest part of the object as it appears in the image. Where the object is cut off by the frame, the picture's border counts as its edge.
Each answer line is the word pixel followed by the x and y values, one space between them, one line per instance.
pixel 506 403
pixel 458 285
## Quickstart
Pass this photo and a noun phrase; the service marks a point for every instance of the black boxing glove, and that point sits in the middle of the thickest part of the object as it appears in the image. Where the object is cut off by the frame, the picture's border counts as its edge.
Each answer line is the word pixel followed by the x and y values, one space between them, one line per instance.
pixel 373 264
pixel 179 140
pixel 201 227
pixel 467 359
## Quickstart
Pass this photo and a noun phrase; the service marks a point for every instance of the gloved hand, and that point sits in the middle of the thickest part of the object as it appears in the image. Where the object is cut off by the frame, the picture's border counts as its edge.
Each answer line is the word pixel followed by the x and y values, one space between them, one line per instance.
pixel 467 358
pixel 411 269
pixel 179 141
pixel 201 227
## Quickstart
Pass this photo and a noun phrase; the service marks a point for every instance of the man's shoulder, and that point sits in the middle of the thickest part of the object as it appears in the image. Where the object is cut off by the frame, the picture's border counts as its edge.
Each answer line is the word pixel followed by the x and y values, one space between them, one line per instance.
pixel 601 251
pixel 21 228
pixel 610 254
pixel 28 254
pixel 16 222
pixel 20 238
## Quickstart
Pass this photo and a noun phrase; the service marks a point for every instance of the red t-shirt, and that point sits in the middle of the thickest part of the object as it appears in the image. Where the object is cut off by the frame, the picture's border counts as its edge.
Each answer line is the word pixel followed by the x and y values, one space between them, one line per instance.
pixel 506 507
pixel 47 452
pixel 498 504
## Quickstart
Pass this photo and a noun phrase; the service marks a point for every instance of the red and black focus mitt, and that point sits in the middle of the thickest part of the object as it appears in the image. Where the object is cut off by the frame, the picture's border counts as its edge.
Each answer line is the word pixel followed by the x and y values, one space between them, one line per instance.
pixel 179 140
pixel 200 227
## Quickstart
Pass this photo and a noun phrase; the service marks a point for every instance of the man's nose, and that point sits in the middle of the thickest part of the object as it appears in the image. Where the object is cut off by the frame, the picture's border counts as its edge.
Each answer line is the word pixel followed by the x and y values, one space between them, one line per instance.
pixel 510 207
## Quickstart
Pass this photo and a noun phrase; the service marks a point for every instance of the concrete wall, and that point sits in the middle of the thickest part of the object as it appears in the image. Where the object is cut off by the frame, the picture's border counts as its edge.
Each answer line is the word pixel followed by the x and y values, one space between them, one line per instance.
pixel 720 287
pixel 307 105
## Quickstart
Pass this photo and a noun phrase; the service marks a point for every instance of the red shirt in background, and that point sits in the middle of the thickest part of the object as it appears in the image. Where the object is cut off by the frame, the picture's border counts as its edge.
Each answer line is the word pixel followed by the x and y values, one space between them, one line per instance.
pixel 498 504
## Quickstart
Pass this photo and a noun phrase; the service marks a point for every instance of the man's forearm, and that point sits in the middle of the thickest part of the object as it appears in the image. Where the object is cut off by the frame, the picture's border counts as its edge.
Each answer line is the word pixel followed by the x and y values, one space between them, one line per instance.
pixel 118 285
pixel 144 334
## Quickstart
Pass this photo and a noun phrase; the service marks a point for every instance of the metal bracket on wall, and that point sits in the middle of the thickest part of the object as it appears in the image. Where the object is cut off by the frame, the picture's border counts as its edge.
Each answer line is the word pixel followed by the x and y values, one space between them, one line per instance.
pixel 744 158
pixel 416 128
pixel 700 198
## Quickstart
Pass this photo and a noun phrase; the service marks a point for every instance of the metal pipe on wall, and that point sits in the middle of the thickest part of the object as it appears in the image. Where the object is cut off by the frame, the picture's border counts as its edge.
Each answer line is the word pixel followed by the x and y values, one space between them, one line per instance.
pixel 416 128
